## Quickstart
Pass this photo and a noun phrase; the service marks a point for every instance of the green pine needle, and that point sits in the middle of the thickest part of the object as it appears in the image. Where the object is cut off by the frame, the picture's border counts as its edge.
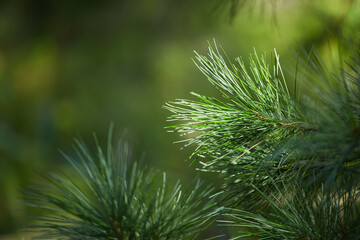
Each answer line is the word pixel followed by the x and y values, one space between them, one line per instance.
pixel 295 213
pixel 111 196
pixel 239 133
pixel 258 131
pixel 257 110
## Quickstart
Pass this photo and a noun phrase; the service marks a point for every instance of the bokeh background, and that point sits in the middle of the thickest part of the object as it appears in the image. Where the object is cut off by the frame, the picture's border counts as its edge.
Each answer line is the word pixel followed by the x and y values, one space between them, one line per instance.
pixel 70 68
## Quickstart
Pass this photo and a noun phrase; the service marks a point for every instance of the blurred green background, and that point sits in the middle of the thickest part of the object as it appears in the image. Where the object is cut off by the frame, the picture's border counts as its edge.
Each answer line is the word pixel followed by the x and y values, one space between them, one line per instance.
pixel 70 68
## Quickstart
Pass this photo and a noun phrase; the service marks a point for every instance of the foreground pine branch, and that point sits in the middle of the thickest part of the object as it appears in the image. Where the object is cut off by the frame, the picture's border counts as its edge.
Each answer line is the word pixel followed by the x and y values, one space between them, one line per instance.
pixel 111 196
pixel 257 110
pixel 242 134
pixel 292 168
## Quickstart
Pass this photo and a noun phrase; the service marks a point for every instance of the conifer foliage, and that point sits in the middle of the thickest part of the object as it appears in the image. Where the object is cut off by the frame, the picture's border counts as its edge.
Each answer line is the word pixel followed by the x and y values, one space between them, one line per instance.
pixel 292 166
pixel 291 163
pixel 112 196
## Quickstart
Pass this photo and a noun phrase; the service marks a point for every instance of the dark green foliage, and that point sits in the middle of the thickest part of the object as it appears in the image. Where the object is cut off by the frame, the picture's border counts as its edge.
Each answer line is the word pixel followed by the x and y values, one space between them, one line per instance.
pixel 111 196
pixel 297 214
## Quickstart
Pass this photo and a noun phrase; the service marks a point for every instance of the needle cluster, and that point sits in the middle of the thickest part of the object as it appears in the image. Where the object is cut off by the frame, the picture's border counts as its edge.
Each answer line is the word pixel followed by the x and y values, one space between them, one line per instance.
pixel 292 166
pixel 112 196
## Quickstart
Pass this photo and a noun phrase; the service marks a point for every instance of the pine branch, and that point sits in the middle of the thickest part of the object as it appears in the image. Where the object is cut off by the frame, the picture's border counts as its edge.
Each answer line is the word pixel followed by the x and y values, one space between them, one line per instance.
pixel 240 133
pixel 111 196
pixel 295 213
pixel 258 132
pixel 331 150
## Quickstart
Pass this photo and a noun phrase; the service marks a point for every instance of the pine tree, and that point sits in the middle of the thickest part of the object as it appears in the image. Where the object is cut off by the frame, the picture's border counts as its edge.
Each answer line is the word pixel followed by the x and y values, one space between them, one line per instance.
pixel 290 161
pixel 291 166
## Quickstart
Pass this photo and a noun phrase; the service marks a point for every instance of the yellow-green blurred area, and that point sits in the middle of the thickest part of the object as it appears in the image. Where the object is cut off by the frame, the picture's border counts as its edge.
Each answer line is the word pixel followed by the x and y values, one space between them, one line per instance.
pixel 70 68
